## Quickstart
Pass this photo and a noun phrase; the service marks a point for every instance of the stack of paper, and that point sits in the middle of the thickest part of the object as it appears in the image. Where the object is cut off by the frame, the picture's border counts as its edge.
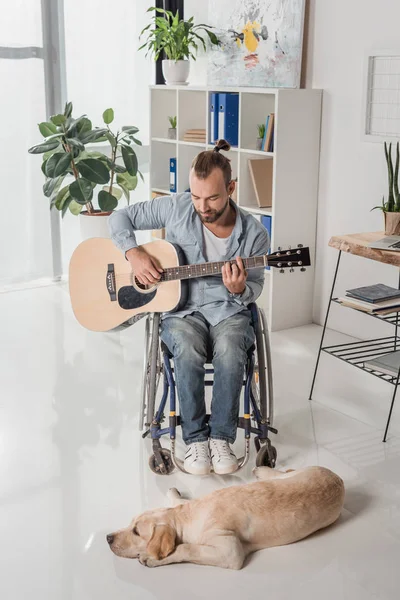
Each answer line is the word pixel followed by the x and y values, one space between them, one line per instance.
pixel 195 135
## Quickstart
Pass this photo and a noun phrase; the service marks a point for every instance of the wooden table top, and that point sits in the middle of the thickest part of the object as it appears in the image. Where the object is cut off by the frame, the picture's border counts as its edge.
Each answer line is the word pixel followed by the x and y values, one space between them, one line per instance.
pixel 357 243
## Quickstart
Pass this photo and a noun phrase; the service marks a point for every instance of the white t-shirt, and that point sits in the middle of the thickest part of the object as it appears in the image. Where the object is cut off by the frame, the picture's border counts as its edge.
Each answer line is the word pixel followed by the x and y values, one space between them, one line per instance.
pixel 215 247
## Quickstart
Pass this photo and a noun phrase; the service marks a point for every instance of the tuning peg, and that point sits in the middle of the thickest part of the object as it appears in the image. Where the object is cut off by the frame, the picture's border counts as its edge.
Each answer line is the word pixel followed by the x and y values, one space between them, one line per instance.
pixel 303 269
pixel 291 270
pixel 279 248
pixel 300 246
pixel 282 271
pixel 290 247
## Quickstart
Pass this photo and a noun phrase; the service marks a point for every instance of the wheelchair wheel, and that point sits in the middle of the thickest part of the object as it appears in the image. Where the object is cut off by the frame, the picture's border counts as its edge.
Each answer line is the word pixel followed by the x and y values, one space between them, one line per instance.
pixel 162 468
pixel 266 456
pixel 152 369
pixel 262 385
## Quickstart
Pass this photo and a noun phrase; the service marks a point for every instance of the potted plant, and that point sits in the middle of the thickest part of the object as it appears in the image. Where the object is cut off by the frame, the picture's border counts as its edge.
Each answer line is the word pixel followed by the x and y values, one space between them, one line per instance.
pixel 66 159
pixel 177 40
pixel 391 208
pixel 172 129
pixel 261 134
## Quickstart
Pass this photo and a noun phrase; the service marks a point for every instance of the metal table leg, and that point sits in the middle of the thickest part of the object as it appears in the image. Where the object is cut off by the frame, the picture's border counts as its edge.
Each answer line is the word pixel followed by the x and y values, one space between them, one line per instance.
pixel 326 320
pixel 391 406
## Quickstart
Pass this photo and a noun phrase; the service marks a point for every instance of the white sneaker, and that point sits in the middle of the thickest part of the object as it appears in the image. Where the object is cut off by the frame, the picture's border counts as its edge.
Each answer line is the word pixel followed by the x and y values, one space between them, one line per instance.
pixel 223 459
pixel 197 459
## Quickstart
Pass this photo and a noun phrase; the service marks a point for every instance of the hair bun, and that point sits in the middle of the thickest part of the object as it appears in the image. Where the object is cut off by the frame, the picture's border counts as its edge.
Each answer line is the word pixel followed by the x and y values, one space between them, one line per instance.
pixel 222 145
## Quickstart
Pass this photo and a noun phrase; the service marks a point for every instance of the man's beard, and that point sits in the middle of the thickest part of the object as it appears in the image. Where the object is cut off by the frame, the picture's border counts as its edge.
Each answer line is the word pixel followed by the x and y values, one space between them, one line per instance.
pixel 213 215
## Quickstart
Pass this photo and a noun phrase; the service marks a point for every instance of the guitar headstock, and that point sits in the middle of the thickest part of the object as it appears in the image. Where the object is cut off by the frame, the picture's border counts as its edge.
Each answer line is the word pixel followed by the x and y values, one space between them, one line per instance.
pixel 290 259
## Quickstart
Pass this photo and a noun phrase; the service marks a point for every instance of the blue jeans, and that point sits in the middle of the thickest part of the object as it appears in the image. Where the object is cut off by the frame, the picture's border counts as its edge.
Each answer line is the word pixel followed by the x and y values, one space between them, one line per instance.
pixel 188 339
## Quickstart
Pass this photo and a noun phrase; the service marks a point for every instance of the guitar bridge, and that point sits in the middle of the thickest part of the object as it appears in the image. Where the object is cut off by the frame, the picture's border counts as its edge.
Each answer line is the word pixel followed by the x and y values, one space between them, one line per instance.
pixel 110 283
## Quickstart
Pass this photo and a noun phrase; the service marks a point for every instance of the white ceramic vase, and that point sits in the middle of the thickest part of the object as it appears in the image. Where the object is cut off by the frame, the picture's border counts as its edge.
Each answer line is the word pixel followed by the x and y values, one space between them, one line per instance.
pixel 94 224
pixel 176 72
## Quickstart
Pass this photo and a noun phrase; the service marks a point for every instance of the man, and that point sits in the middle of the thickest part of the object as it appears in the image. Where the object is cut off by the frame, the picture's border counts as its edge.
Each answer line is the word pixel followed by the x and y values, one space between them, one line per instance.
pixel 208 227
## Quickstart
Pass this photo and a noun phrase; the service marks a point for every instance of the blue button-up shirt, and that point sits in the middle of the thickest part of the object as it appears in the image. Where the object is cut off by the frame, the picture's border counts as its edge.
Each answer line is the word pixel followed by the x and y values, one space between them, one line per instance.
pixel 183 227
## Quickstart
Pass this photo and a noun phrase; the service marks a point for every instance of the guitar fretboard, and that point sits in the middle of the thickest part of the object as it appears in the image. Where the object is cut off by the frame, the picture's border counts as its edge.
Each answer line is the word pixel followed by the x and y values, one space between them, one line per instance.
pixel 204 269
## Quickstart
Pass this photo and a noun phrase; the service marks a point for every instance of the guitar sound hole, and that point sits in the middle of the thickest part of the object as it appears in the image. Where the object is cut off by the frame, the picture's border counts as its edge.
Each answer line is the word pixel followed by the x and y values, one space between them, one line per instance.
pixel 143 287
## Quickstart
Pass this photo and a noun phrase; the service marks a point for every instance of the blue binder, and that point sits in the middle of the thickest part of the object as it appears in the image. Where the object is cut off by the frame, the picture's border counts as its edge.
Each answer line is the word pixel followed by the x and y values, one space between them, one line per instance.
pixel 267 222
pixel 214 99
pixel 228 118
pixel 172 175
pixel 265 134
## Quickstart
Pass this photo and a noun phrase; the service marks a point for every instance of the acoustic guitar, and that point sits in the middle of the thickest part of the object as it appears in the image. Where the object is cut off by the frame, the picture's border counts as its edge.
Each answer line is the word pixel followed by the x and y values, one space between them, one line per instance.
pixel 105 293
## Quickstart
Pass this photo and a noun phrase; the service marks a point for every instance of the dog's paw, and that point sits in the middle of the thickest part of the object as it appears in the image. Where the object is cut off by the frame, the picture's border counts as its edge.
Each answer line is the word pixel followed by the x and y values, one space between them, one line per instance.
pixel 147 561
pixel 143 558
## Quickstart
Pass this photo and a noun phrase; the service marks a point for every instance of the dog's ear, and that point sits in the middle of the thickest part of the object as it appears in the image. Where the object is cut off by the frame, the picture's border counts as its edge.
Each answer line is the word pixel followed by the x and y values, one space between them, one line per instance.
pixel 162 542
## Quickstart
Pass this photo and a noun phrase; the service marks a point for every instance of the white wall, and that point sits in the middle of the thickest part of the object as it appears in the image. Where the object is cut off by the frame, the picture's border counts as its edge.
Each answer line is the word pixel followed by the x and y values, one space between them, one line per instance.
pixel 200 11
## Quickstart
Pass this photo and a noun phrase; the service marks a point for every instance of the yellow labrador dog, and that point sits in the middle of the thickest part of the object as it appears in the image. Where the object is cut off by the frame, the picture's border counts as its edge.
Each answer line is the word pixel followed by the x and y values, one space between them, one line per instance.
pixel 221 529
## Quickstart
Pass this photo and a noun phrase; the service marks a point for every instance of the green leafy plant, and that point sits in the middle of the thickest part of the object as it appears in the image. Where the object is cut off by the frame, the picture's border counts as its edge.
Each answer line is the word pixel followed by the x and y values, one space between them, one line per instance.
pixel 393 202
pixel 261 130
pixel 65 156
pixel 173 122
pixel 175 37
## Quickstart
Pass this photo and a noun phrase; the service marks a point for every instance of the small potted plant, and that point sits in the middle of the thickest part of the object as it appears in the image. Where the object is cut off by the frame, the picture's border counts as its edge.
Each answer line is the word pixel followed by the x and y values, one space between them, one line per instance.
pixel 391 208
pixel 172 129
pixel 261 134
pixel 176 39
pixel 67 160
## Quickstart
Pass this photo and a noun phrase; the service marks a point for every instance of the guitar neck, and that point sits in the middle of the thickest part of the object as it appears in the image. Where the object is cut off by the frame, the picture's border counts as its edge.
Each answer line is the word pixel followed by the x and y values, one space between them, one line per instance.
pixel 206 269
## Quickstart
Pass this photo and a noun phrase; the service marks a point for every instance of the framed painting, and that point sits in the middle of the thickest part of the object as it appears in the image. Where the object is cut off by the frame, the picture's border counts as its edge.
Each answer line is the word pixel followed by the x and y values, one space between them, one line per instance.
pixel 261 43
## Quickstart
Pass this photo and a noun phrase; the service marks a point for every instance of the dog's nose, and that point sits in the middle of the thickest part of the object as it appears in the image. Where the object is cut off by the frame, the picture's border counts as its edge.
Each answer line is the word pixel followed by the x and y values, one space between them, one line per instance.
pixel 110 538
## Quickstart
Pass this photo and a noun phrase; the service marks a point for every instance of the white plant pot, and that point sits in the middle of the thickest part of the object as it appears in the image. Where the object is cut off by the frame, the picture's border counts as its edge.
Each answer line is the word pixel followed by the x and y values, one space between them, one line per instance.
pixel 176 72
pixel 94 224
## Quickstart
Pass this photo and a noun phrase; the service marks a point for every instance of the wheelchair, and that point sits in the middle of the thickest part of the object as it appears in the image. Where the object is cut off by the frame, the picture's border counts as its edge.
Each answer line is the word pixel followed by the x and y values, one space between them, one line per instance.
pixel 258 402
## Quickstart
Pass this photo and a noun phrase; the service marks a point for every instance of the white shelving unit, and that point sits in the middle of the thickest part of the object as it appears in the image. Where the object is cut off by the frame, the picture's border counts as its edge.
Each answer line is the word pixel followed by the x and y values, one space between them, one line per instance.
pixel 287 298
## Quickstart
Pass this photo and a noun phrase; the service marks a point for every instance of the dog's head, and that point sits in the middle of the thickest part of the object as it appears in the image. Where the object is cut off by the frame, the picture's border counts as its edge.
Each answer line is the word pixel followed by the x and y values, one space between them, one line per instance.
pixel 150 533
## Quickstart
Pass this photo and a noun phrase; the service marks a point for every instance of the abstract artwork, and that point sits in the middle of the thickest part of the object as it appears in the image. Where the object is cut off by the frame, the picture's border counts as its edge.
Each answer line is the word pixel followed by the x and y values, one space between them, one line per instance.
pixel 261 43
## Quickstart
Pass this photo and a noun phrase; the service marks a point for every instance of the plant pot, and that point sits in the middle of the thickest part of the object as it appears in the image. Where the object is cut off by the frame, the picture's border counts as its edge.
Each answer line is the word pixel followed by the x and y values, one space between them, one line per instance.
pixel 172 133
pixel 392 223
pixel 176 72
pixel 94 224
pixel 259 144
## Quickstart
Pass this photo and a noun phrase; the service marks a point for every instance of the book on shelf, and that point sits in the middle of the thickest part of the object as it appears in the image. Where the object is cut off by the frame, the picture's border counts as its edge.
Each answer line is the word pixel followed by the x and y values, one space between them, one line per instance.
pixel 269 133
pixel 374 293
pixel 369 306
pixel 271 147
pixel 387 364
pixel 261 171
pixel 265 134
pixel 195 135
pixel 380 311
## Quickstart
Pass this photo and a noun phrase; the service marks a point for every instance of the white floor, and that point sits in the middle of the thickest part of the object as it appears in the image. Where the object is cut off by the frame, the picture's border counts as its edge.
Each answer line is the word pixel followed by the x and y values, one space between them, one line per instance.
pixel 73 467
